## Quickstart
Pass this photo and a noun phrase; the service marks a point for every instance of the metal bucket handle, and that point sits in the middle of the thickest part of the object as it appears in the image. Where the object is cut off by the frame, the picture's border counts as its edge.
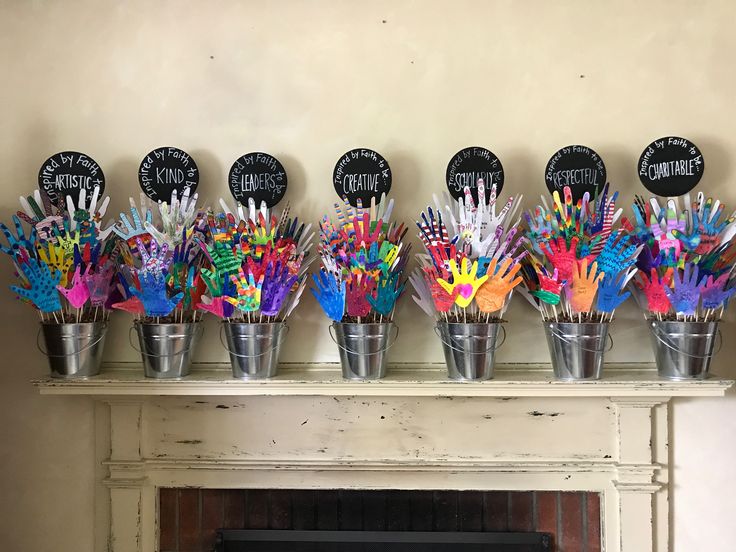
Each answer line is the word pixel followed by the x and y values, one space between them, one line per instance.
pixel 130 340
pixel 273 348
pixel 366 354
pixel 489 350
pixel 562 338
pixel 38 346
pixel 720 345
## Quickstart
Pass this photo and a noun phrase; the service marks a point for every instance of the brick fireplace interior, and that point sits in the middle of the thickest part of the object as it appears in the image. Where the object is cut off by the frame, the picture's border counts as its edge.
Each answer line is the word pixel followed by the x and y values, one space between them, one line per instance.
pixel 189 517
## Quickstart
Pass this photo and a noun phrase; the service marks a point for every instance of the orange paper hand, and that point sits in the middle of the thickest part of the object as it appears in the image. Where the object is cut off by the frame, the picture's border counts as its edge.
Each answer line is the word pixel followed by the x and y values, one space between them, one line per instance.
pixel 492 295
pixel 584 286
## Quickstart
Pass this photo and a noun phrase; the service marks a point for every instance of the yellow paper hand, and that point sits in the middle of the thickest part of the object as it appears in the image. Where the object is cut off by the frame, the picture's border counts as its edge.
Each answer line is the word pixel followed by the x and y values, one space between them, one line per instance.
pixel 584 286
pixel 491 296
pixel 464 281
pixel 57 258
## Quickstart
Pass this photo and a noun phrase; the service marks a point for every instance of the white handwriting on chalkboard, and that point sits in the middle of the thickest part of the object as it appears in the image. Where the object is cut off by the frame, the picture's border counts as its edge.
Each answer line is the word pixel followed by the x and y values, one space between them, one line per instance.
pixel 575 177
pixel 253 182
pixel 470 179
pixel 362 182
pixel 666 169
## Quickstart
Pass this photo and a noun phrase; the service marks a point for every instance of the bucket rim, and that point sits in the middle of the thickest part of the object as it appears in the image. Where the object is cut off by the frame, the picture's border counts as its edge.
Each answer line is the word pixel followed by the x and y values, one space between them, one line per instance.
pixel 138 323
pixel 363 323
pixel 46 323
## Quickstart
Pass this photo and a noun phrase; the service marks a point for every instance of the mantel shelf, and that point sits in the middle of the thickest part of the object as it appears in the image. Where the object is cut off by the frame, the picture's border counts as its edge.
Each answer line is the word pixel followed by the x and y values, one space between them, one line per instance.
pixel 408 380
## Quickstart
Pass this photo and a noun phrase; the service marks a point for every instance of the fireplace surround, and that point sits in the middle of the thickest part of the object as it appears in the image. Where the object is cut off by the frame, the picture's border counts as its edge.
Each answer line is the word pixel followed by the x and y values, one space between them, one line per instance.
pixel 309 430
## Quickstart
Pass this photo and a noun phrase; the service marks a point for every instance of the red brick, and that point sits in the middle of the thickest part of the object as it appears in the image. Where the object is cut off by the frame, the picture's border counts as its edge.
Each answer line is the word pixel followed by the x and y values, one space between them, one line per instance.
pixel 521 514
pixel 234 517
pixel 547 513
pixel 495 511
pixel 594 522
pixel 571 510
pixel 167 519
pixel 190 539
pixel 213 511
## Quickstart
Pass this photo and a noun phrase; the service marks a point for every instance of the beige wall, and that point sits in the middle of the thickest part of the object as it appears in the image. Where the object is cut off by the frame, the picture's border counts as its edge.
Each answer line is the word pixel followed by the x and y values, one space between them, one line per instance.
pixel 306 81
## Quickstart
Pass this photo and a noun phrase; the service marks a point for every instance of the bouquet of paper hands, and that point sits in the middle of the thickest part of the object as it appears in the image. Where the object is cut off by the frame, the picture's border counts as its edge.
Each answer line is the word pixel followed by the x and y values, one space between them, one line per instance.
pixel 362 260
pixel 686 259
pixel 580 260
pixel 470 267
pixel 243 264
pixel 62 256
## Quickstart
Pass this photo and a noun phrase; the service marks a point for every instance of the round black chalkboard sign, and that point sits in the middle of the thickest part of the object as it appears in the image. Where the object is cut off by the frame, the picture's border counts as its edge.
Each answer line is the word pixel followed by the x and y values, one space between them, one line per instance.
pixel 167 169
pixel 259 176
pixel 671 166
pixel 67 173
pixel 578 167
pixel 362 174
pixel 470 164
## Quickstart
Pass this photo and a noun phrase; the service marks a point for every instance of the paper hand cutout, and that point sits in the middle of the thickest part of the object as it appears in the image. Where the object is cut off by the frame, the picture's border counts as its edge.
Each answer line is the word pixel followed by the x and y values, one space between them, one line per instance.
pixel 615 257
pixel 78 294
pixel 646 261
pixel 132 305
pixel 540 228
pixel 175 217
pixel 17 241
pixel 653 289
pixel 584 286
pixel 359 287
pixel 217 306
pixel 276 287
pixel 609 293
pixel 713 294
pixel 363 235
pixel 387 293
pixel 154 296
pixel 561 257
pixel 98 284
pixel 442 299
pixel 248 291
pixel 330 294
pixel 685 296
pixel 42 285
pixel 91 212
pixel 464 280
pixel 127 231
pixel 423 296
pixel 433 231
pixel 550 287
pixel 491 296
pixel 225 258
pixel 57 259
pixel 156 262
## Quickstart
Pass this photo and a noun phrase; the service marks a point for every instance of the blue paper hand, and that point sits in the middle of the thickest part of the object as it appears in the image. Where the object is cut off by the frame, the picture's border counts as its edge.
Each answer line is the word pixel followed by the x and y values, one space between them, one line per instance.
pixel 128 231
pixel 154 296
pixel 42 291
pixel 686 293
pixel 609 293
pixel 615 257
pixel 330 293
pixel 19 240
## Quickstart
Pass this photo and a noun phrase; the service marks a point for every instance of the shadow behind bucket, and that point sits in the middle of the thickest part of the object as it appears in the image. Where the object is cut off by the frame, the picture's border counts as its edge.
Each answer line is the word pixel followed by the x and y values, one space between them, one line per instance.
pixel 74 350
pixel 363 348
pixel 254 348
pixel 469 349
pixel 167 349
pixel 683 350
pixel 577 349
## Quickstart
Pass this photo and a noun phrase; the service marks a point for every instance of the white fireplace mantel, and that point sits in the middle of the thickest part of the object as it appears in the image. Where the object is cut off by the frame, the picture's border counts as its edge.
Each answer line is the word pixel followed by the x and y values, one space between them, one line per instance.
pixel 308 428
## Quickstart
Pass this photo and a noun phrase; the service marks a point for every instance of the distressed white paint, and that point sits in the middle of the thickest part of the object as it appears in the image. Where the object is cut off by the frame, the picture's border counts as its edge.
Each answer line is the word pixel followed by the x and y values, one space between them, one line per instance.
pixel 614 442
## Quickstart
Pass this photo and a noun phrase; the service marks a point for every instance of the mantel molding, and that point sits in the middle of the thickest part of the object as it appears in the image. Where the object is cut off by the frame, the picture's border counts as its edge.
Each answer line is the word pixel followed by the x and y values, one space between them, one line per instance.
pixel 634 385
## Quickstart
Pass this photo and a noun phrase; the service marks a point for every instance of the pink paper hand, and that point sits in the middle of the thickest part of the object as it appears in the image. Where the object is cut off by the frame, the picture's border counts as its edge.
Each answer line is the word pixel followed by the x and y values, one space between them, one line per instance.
pixel 78 294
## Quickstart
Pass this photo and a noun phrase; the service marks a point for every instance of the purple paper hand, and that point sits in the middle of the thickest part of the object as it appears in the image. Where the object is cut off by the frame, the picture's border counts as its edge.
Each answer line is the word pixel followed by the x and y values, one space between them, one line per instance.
pixel 276 287
pixel 686 293
pixel 98 284
pixel 713 293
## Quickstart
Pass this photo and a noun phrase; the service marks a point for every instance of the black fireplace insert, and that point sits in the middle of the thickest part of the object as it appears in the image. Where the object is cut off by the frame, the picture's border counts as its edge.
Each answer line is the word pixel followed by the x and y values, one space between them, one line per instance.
pixel 249 540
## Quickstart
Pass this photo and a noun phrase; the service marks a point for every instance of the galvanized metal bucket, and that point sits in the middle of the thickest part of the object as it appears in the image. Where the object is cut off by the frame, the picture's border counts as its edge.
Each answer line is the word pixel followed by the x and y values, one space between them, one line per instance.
pixel 167 349
pixel 470 349
pixel 253 348
pixel 74 350
pixel 363 348
pixel 683 350
pixel 577 349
